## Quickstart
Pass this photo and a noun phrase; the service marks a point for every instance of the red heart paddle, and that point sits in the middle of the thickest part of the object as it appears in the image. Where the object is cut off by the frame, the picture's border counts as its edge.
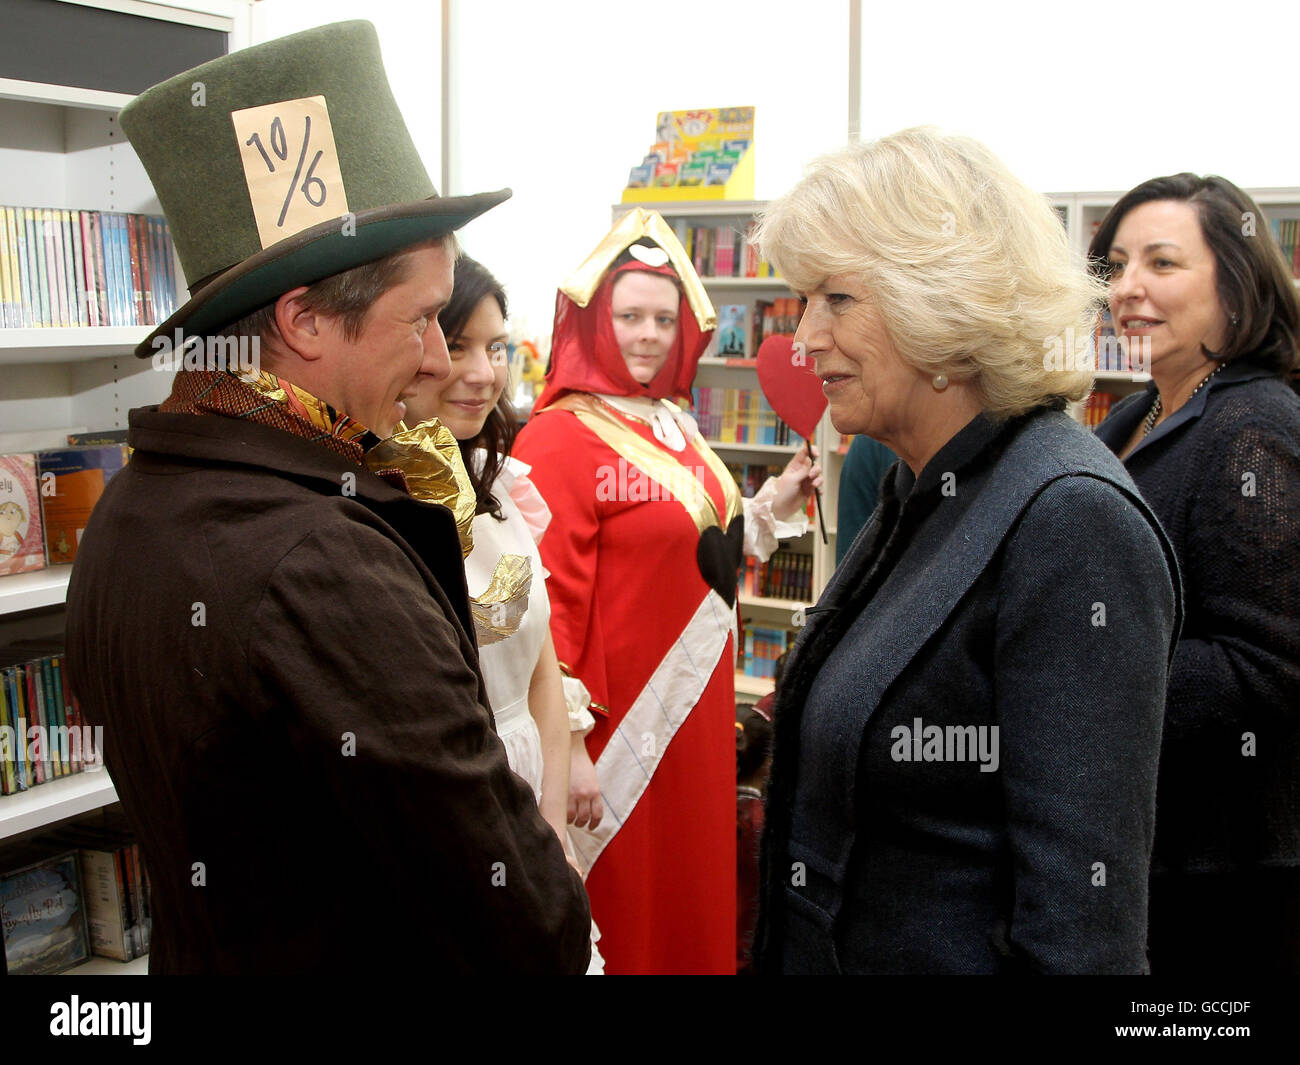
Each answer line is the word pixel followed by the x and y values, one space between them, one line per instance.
pixel 785 374
pixel 787 379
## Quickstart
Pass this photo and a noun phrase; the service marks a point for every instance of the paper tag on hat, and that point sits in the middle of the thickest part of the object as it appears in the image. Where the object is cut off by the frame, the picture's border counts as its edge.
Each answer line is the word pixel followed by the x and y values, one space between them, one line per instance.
pixel 291 166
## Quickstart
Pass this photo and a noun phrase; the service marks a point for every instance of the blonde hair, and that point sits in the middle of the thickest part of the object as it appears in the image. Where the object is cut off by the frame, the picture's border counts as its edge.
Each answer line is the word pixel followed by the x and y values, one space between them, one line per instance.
pixel 969 267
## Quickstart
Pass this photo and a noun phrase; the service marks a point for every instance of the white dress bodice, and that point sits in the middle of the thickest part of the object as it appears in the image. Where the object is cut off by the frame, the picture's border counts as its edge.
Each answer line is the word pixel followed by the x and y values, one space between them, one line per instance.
pixel 509 662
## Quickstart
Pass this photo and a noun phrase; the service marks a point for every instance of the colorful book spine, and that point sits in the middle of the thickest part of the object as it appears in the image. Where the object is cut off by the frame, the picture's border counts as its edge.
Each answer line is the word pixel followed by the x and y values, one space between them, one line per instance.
pixel 101 273
pixel 88 269
pixel 133 259
pixel 18 226
pixel 55 263
pixel 69 266
pixel 9 315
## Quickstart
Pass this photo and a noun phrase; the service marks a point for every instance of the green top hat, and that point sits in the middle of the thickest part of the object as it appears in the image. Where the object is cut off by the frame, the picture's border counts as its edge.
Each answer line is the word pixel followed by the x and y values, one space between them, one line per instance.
pixel 283 164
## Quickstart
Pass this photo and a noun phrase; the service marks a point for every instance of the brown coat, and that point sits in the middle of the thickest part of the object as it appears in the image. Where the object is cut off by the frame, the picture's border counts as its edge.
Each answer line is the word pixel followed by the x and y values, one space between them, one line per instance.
pixel 295 720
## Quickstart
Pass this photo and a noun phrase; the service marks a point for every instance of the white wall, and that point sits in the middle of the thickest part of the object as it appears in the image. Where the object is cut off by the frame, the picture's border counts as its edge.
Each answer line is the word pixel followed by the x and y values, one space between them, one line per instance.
pixel 558 101
pixel 1095 95
pixel 410 37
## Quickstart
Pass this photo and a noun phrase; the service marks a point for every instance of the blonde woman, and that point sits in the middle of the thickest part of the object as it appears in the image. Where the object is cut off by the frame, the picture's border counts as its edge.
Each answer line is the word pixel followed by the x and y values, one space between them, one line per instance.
pixel 968 731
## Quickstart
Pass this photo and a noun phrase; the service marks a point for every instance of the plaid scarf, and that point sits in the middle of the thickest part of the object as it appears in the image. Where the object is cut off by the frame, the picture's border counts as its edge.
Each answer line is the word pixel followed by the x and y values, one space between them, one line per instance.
pixel 424 462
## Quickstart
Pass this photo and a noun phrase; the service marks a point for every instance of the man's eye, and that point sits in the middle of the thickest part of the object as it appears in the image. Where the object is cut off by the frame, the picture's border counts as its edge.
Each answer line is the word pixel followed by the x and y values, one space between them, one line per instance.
pixel 667 321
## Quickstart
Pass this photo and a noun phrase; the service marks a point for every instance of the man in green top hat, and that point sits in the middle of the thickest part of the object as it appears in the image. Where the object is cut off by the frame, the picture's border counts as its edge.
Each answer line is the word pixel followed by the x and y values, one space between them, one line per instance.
pixel 268 613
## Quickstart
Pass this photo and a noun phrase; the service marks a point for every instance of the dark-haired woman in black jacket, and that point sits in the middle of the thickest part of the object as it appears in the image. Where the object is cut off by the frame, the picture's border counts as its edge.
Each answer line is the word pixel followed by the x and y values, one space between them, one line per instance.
pixel 1201 296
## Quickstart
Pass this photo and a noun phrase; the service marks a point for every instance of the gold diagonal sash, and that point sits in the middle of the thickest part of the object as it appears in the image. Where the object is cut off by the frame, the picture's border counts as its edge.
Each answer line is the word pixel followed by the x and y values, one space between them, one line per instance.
pixel 674 479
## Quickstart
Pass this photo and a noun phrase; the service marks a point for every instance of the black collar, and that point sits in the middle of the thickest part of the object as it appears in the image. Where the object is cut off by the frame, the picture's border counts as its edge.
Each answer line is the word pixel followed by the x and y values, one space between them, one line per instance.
pixel 963 450
pixel 1115 432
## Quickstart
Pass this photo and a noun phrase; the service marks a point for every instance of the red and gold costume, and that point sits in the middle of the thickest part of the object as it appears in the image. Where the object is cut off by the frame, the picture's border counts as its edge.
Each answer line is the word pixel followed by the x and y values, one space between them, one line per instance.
pixel 642 553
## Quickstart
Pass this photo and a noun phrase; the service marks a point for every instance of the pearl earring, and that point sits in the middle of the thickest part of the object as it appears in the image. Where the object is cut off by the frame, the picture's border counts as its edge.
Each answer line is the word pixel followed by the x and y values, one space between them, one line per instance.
pixel 940 382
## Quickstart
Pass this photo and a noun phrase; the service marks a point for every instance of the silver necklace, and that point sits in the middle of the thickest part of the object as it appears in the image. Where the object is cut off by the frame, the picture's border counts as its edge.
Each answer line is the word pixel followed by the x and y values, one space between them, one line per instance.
pixel 1157 406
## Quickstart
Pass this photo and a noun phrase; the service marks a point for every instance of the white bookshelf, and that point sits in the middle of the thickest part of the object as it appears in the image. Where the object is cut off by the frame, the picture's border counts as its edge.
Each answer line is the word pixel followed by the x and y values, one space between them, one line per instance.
pixel 756 686
pixel 34 92
pixel 32 591
pixel 54 801
pixel 61 147
pixel 786 450
pixel 68 345
pixel 759 602
pixel 108 967
pixel 746 284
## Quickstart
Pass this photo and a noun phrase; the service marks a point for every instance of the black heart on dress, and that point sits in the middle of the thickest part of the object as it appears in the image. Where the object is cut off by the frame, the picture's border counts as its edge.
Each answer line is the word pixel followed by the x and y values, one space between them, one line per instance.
pixel 719 555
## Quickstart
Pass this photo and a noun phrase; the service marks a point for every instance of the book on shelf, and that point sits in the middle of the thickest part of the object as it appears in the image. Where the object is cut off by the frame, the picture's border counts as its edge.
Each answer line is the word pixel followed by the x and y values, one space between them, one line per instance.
pixel 43 735
pixel 1286 231
pixel 22 542
pixel 778 317
pixel 721 251
pixel 42 914
pixel 703 147
pixel 788 574
pixel 61 267
pixel 738 416
pixel 730 336
pixel 97 438
pixel 72 480
pixel 761 646
pixel 46 498
pixel 750 477
pixel 1096 407
pixel 115 887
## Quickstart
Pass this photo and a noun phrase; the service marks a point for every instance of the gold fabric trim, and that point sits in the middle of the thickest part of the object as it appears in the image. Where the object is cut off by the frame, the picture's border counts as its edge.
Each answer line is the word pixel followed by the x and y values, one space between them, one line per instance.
pixel 581 285
pixel 316 411
pixel 500 609
pixel 730 490
pixel 430 459
pixel 673 478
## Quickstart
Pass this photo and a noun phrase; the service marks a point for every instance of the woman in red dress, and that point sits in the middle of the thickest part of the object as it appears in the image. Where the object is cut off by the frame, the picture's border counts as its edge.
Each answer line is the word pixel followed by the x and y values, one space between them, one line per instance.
pixel 648 531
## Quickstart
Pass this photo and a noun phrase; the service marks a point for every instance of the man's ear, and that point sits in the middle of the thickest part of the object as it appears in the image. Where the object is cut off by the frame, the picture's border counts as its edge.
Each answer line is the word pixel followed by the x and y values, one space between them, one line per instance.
pixel 304 330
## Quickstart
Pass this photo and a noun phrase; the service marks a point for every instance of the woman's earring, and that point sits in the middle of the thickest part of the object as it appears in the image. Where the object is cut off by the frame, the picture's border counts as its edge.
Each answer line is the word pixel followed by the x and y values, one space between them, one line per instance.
pixel 940 382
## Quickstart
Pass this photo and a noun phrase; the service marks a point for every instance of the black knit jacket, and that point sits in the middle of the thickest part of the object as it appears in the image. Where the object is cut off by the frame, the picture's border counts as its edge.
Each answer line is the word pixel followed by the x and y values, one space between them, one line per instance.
pixel 1223 476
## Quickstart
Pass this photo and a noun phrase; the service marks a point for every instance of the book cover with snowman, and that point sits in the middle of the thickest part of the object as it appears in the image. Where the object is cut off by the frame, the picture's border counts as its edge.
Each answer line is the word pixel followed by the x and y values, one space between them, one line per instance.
pixel 22 545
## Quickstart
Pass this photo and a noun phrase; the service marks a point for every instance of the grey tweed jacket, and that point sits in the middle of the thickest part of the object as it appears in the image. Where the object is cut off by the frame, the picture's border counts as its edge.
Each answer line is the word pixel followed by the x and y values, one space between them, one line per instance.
pixel 1022 589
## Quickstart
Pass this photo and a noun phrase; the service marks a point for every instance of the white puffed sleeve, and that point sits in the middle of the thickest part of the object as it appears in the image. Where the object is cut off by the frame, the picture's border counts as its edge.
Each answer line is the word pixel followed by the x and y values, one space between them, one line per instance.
pixel 763 528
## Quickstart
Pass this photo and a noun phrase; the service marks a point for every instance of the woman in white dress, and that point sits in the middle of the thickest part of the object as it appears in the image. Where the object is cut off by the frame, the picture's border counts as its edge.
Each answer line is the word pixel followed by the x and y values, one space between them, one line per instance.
pixel 504 574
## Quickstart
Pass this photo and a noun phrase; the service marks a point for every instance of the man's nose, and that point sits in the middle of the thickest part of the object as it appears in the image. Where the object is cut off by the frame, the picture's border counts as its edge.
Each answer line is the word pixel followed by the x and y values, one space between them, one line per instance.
pixel 437 359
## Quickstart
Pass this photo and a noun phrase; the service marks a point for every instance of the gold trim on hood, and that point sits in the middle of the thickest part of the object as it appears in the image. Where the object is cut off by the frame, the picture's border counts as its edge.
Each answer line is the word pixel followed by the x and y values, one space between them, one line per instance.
pixel 581 285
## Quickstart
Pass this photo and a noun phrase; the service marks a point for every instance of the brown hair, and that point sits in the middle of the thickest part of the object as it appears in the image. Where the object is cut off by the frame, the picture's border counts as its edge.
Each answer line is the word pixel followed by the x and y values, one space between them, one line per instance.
pixel 473 283
pixel 347 296
pixel 1255 288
